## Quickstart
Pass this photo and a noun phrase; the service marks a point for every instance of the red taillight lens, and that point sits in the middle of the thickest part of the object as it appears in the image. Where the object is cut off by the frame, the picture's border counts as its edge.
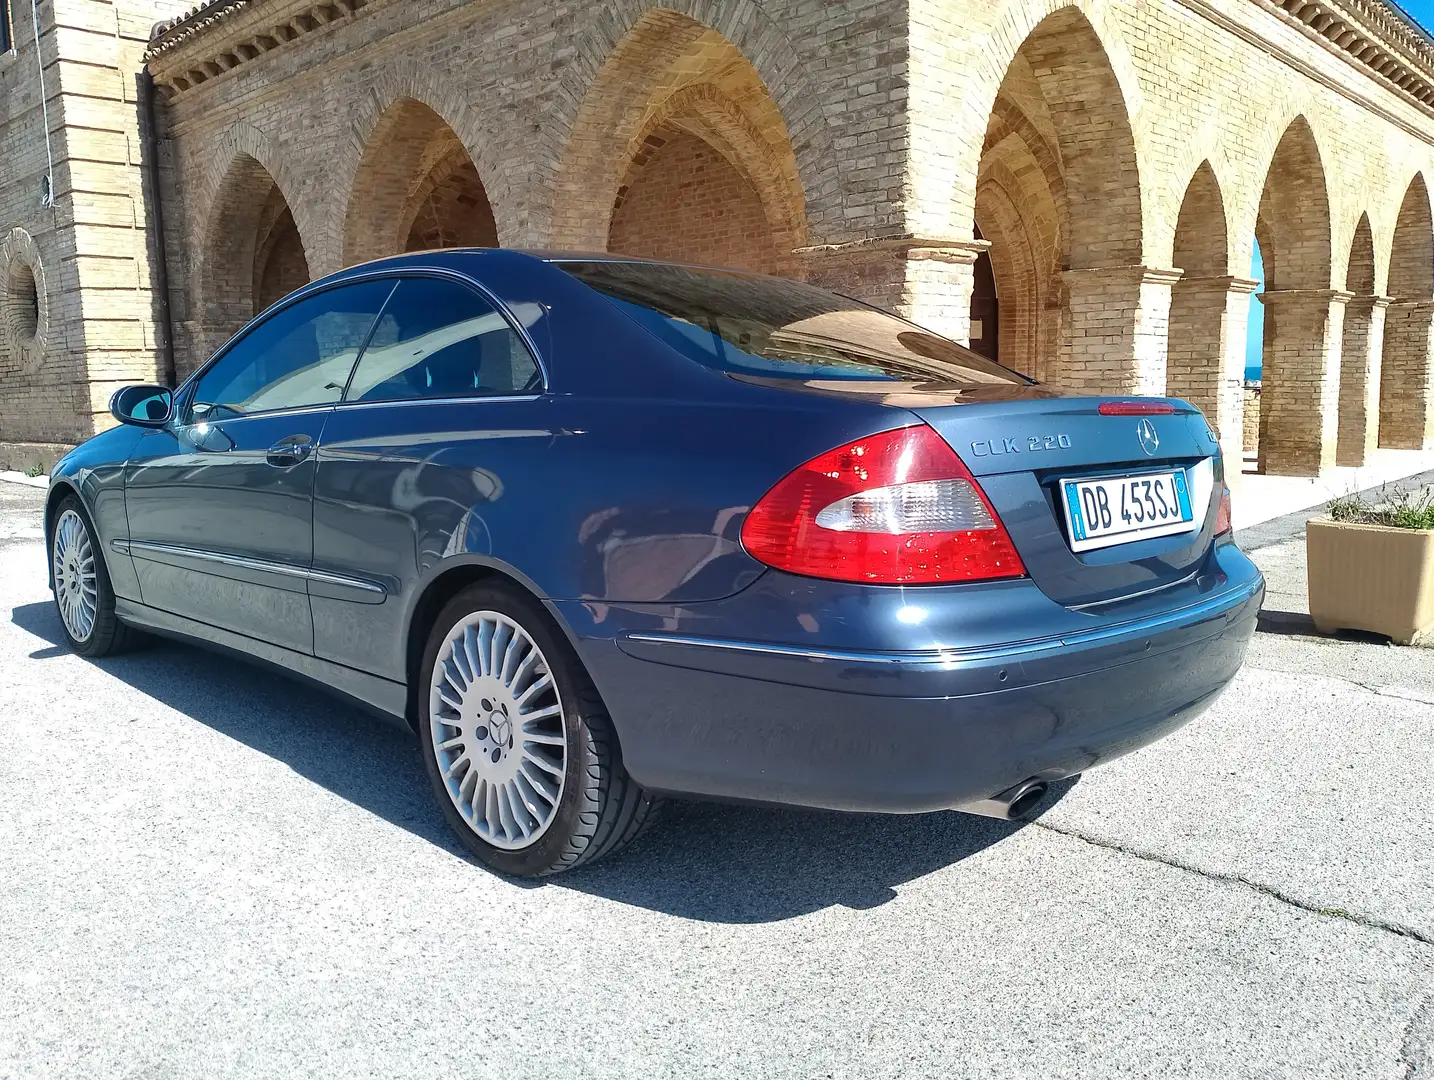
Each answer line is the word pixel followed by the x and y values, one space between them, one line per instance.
pixel 1135 408
pixel 896 508
pixel 1222 515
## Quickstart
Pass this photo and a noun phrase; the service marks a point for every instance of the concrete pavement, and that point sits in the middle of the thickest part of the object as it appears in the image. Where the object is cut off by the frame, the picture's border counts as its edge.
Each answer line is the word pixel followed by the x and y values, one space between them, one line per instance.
pixel 207 870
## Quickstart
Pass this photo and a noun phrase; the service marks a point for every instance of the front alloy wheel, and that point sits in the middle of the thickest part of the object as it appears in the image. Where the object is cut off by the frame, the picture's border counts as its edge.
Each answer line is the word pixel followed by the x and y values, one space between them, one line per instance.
pixel 83 596
pixel 520 751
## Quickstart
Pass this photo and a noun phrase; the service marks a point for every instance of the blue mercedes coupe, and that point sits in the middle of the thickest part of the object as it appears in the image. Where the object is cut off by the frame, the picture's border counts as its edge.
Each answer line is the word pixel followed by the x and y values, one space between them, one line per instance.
pixel 602 530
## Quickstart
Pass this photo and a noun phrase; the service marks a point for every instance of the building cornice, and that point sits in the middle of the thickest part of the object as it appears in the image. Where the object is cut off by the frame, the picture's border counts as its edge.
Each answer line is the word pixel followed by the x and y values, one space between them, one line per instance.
pixel 220 35
pixel 1375 36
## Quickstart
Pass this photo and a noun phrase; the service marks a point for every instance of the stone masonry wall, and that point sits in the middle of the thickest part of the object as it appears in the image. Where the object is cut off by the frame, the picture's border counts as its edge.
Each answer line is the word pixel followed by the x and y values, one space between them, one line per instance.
pixel 686 202
pixel 78 303
pixel 866 137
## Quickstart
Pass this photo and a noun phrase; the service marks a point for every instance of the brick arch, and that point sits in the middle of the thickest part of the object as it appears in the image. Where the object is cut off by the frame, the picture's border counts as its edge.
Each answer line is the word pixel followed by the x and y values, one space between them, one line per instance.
pixel 407 80
pixel 1294 225
pixel 1020 211
pixel 1406 395
pixel 1083 68
pixel 1198 367
pixel 243 140
pixel 1021 266
pixel 1361 347
pixel 1359 267
pixel 1205 150
pixel 250 222
pixel 415 179
pixel 629 70
pixel 1201 247
pixel 1303 314
pixel 1411 257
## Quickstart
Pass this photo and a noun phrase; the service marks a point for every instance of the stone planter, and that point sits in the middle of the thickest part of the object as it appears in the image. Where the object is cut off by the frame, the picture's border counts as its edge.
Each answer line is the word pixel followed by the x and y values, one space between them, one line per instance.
pixel 1371 577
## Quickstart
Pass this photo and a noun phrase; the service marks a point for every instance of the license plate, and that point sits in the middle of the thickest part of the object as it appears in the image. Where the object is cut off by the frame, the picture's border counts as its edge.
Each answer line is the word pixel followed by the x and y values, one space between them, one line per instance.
pixel 1121 509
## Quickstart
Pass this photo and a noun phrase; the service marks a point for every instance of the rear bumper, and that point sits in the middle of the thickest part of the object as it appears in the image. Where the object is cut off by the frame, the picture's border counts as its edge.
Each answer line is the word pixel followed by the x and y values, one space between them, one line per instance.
pixel 915 729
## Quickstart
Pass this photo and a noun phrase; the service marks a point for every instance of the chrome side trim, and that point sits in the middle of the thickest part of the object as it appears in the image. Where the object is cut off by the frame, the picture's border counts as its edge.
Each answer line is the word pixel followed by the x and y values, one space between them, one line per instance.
pixel 466 399
pixel 130 547
pixel 951 657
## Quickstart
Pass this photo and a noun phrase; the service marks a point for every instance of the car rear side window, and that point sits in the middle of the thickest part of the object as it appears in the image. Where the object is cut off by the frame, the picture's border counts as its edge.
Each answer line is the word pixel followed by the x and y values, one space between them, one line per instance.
pixel 771 327
pixel 442 339
pixel 299 356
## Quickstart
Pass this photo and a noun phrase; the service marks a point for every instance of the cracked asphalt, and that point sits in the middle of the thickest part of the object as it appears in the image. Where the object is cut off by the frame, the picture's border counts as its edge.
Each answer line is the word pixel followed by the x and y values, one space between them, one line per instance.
pixel 209 871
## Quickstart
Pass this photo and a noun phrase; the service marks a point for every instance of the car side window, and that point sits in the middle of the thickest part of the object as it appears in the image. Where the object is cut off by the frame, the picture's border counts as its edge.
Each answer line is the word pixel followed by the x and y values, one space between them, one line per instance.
pixel 298 357
pixel 442 339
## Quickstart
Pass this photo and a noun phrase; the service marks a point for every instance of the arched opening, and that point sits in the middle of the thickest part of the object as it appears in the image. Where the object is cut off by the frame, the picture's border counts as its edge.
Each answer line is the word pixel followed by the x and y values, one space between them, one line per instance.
pixel 679 152
pixel 1360 351
pixel 22 302
pixel 1205 357
pixel 1406 382
pixel 279 263
pixel 254 254
pixel 416 188
pixel 1058 198
pixel 1303 315
pixel 985 306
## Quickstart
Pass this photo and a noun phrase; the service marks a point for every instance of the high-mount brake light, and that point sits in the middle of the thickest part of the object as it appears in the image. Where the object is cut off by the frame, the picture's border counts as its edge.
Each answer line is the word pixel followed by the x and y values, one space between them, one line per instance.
pixel 1135 408
pixel 895 508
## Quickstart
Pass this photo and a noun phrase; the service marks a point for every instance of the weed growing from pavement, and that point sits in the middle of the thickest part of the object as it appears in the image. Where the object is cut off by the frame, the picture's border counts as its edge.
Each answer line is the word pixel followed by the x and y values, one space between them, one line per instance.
pixel 1403 509
pixel 35 470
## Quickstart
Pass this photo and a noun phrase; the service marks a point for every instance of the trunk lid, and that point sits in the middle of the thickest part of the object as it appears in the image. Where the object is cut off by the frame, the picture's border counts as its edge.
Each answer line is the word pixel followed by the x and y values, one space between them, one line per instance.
pixel 1023 447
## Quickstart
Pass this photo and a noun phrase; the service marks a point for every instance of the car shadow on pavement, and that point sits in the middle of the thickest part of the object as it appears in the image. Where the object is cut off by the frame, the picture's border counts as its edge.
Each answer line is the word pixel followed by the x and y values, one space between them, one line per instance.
pixel 706 861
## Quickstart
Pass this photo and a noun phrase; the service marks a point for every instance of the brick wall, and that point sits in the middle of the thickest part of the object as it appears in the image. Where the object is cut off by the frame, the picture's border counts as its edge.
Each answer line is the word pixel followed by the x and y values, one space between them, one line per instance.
pixel 1101 147
pixel 685 202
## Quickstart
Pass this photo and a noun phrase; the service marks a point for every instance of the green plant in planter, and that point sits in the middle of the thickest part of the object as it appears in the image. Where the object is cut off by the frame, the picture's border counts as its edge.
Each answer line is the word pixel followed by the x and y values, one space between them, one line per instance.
pixel 1371 565
pixel 1408 508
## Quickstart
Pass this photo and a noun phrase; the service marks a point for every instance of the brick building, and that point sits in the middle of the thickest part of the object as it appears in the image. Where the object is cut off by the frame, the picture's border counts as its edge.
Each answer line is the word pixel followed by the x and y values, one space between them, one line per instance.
pixel 1102 167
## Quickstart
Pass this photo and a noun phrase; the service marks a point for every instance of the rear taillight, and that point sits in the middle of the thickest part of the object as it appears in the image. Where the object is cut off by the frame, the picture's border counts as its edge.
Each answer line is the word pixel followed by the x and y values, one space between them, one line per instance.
pixel 1222 515
pixel 1135 408
pixel 896 508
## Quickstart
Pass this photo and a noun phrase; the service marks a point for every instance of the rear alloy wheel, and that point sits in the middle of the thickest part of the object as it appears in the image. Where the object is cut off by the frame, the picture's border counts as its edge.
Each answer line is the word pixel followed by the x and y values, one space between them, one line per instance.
pixel 83 596
pixel 516 742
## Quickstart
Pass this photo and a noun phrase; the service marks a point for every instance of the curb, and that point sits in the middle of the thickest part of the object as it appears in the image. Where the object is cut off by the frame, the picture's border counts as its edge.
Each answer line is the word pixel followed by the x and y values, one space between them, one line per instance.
pixel 28 481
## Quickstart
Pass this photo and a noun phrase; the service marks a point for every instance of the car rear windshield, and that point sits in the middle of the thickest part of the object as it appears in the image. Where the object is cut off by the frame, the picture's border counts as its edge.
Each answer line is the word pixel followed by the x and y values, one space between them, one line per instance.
pixel 771 327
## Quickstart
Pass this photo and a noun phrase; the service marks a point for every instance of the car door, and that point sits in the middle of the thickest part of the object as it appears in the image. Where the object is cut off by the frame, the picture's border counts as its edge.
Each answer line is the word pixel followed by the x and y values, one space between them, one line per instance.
pixel 220 503
pixel 421 462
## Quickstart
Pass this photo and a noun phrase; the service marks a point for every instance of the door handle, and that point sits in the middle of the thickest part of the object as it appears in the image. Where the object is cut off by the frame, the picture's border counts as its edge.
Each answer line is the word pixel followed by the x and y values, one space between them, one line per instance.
pixel 290 451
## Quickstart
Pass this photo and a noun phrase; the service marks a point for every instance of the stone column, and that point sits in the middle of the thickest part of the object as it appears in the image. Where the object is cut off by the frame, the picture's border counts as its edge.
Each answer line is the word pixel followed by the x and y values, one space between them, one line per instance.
pixel 927 281
pixel 1119 323
pixel 1299 398
pixel 1206 361
pixel 1359 377
pixel 1406 400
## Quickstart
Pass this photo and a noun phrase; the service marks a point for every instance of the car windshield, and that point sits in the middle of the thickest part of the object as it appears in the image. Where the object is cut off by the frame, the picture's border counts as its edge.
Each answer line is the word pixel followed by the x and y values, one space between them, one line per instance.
pixel 772 327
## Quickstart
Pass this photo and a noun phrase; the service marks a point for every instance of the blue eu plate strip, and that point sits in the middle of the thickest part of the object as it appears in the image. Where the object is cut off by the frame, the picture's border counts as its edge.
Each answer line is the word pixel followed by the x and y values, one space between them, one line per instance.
pixel 1073 501
pixel 1184 496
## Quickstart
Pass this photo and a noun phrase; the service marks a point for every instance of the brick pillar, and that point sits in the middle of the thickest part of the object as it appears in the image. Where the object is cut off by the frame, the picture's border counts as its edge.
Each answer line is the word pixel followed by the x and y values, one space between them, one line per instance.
pixel 1359 379
pixel 1299 399
pixel 1406 404
pixel 926 281
pixel 1119 321
pixel 1206 358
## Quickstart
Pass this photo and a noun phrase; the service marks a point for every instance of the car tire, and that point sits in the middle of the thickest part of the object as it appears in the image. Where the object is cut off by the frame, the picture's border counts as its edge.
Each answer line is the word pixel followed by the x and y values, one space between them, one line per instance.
pixel 84 599
pixel 497 669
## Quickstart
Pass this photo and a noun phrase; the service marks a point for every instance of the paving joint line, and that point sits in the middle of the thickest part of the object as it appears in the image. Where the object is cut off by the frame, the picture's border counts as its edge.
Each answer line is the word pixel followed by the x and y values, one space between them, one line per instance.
pixel 1368 922
pixel 1382 691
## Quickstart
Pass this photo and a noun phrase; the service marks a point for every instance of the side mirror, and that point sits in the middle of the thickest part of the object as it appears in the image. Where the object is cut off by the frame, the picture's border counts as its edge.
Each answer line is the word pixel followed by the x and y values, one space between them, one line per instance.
pixel 143 406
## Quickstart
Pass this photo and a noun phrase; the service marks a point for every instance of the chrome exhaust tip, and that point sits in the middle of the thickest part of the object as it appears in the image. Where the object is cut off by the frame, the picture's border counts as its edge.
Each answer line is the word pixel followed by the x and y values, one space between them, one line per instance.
pixel 1012 804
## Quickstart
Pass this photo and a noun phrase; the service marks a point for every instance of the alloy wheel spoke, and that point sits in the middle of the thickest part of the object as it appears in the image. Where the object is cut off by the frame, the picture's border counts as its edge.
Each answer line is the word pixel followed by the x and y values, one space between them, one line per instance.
pixel 497 729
